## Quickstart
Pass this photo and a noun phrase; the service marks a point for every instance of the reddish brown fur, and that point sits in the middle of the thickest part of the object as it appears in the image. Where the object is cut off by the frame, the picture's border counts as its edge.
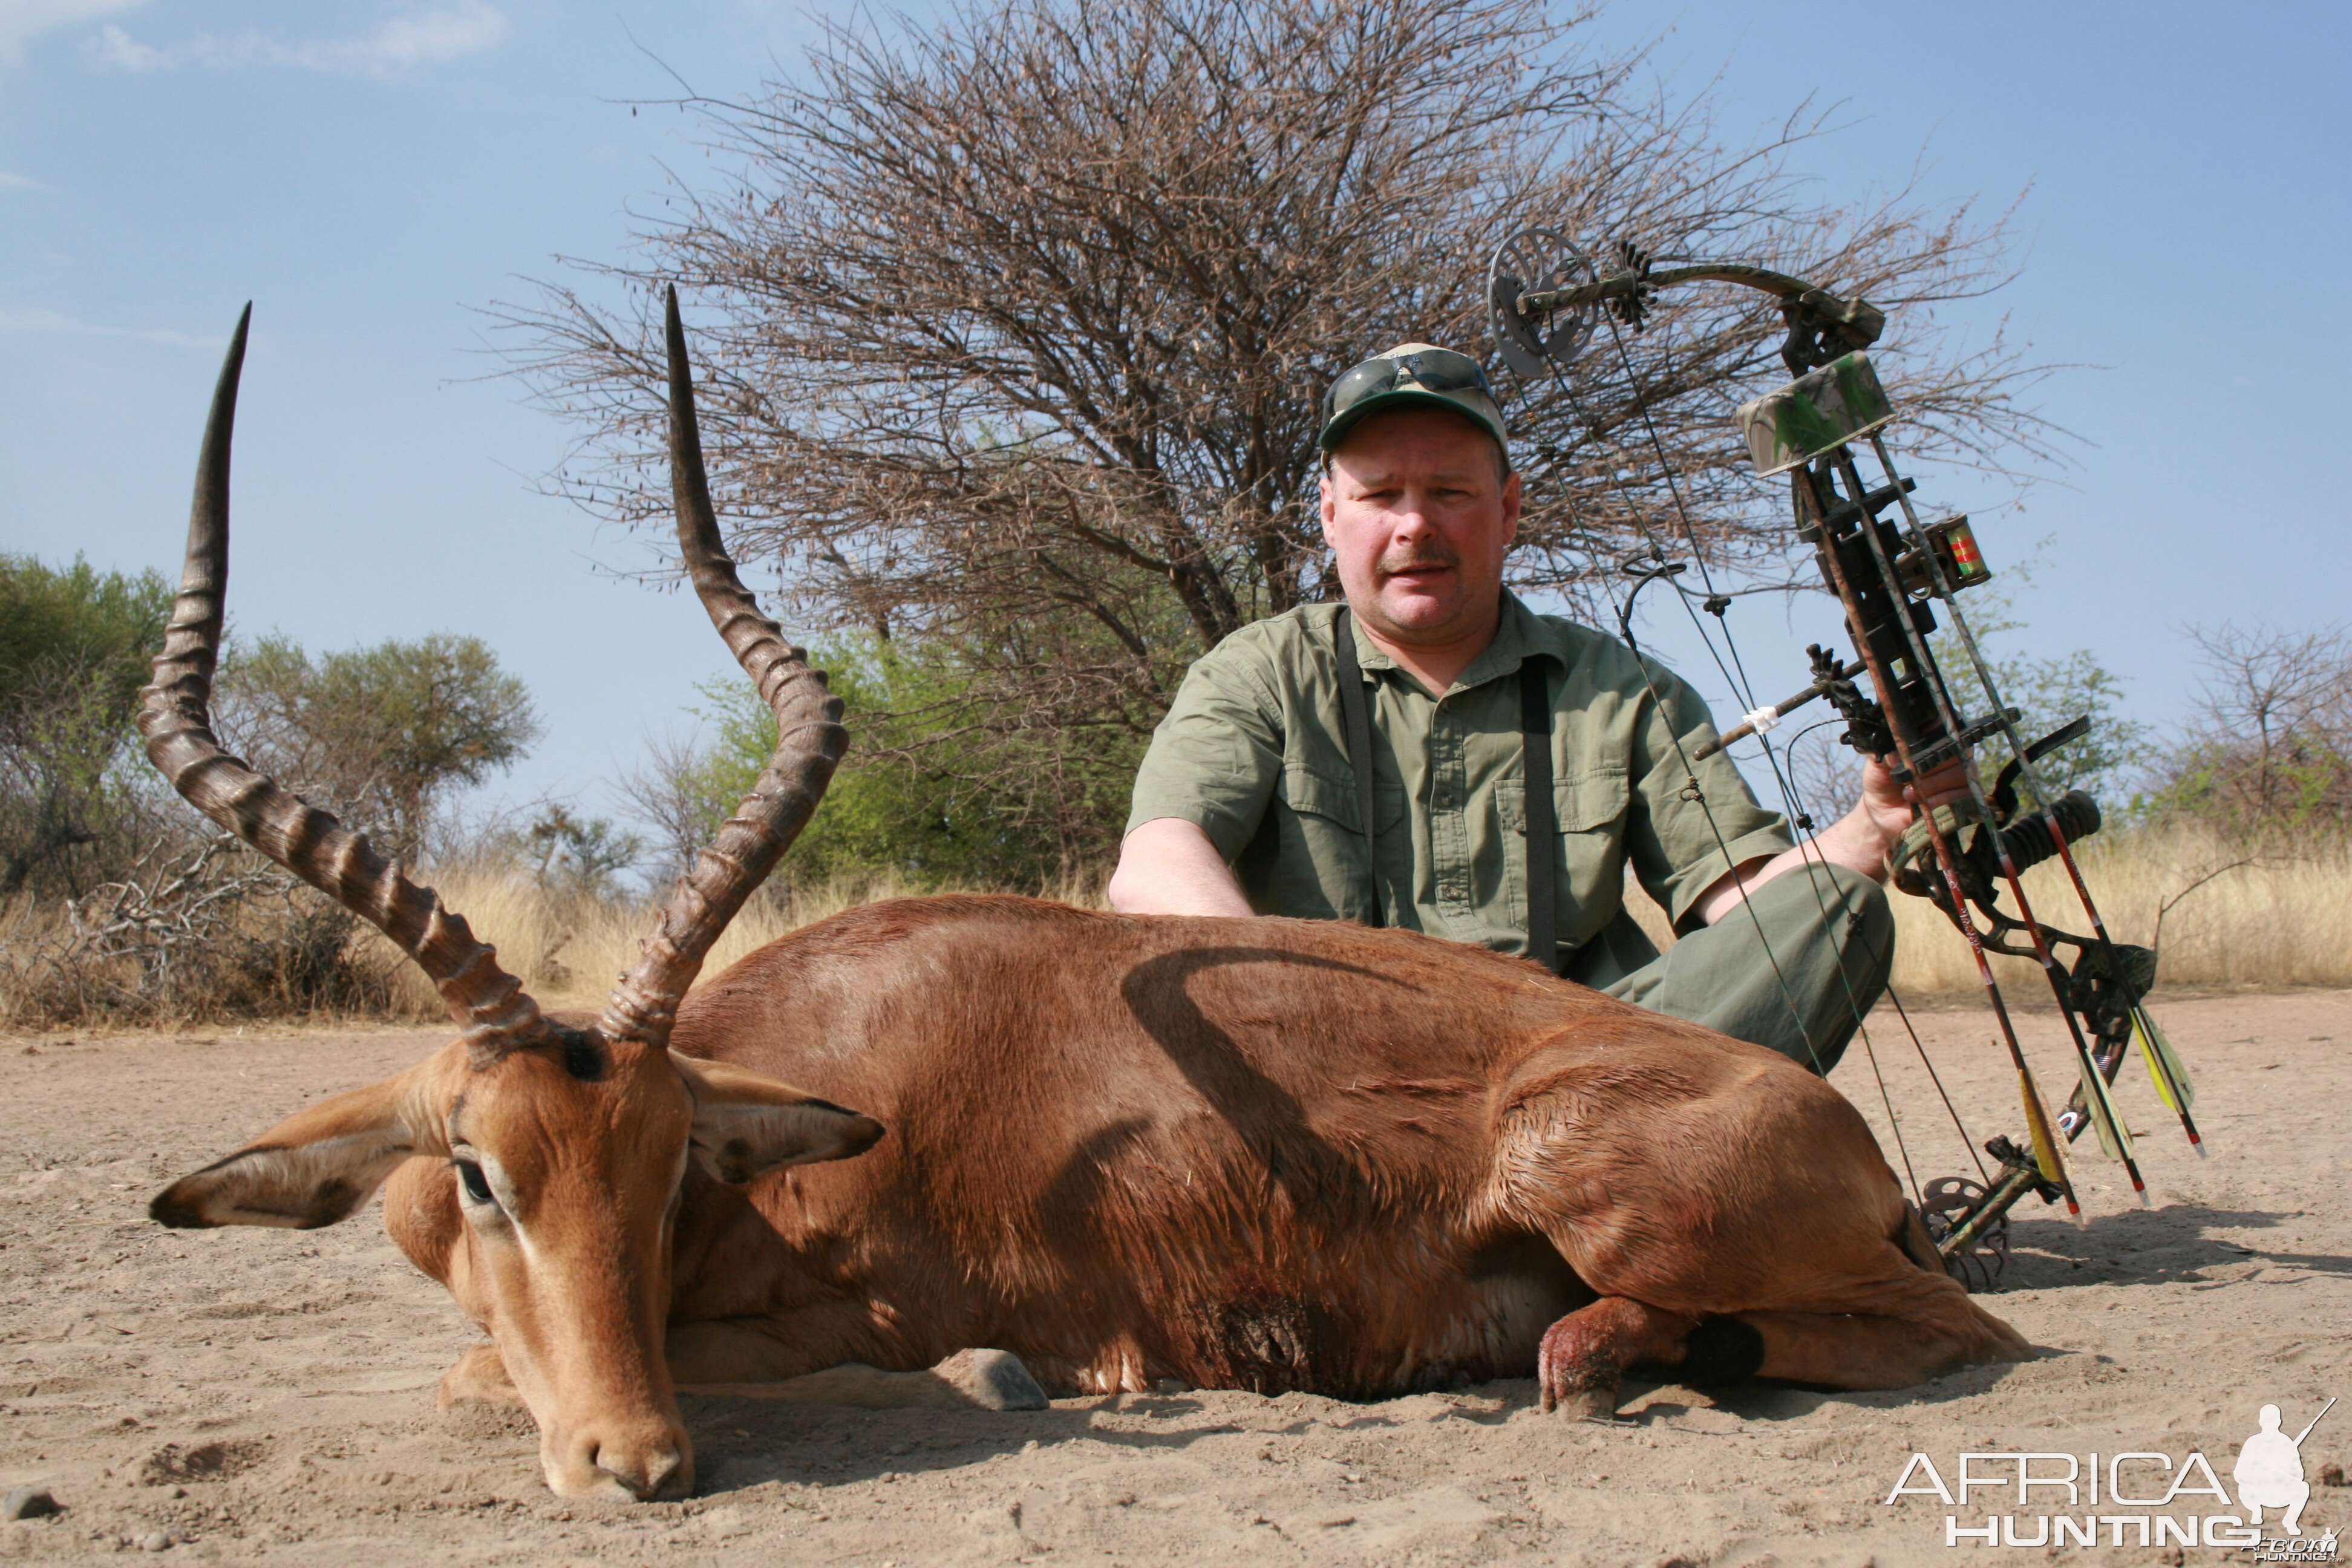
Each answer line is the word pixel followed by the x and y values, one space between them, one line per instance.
pixel 1271 1154
pixel 1259 1153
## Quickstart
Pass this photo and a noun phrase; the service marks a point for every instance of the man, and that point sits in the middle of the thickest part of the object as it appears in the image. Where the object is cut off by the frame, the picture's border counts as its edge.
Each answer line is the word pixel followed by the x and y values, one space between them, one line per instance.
pixel 1248 801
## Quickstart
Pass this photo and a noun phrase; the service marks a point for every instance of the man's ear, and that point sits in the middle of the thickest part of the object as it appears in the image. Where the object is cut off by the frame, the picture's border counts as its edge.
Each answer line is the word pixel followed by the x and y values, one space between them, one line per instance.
pixel 309 1170
pixel 746 1125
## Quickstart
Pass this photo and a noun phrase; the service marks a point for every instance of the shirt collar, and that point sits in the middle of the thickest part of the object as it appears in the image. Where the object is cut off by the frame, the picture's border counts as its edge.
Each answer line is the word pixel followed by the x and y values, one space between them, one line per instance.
pixel 1519 636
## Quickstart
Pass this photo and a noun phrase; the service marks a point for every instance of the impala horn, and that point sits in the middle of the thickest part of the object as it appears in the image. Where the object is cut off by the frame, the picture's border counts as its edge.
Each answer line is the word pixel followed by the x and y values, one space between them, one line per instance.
pixel 175 716
pixel 809 743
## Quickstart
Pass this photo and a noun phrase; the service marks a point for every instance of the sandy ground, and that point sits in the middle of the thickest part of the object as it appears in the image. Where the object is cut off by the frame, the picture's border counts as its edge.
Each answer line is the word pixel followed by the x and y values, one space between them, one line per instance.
pixel 254 1395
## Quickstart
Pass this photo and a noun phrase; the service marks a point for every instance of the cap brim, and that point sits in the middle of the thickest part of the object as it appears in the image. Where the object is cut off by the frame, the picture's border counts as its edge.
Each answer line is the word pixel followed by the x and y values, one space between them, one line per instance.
pixel 1410 398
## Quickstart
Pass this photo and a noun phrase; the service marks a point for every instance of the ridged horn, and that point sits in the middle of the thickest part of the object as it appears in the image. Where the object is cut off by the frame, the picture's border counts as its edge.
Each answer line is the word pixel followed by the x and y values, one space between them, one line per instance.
pixel 809 743
pixel 175 716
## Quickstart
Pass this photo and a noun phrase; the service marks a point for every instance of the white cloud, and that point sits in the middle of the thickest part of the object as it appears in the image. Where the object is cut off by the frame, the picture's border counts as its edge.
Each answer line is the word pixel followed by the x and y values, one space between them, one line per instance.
pixel 40 319
pixel 117 48
pixel 9 181
pixel 412 39
pixel 417 39
pixel 22 20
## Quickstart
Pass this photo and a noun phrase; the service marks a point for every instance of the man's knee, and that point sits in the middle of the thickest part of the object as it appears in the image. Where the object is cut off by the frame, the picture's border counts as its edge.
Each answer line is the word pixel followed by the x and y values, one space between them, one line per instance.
pixel 1854 914
pixel 1855 924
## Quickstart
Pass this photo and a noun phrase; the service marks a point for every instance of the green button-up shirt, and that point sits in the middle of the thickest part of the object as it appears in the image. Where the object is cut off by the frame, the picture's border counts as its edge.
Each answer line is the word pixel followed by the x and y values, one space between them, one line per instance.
pixel 1253 752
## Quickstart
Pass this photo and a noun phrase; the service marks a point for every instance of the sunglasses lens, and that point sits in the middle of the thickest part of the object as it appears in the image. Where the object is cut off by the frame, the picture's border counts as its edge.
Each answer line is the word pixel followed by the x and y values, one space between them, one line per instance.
pixel 1442 370
pixel 1366 380
pixel 1431 369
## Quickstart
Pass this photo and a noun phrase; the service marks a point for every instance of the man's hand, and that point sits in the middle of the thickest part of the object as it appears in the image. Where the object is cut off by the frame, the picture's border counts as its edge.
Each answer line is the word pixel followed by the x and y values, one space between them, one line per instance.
pixel 1885 813
pixel 1168 867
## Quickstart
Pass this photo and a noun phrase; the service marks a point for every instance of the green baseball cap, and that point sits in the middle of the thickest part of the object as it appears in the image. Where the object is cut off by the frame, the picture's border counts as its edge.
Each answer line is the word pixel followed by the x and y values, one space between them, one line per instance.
pixel 1408 374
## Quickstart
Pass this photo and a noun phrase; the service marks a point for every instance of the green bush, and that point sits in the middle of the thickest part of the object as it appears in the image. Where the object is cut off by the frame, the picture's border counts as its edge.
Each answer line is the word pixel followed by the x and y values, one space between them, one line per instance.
pixel 925 797
pixel 75 645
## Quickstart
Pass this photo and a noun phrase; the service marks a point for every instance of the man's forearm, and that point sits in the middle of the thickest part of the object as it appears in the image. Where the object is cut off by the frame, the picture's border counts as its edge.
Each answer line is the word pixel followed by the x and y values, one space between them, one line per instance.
pixel 1169 867
pixel 1852 840
pixel 1861 840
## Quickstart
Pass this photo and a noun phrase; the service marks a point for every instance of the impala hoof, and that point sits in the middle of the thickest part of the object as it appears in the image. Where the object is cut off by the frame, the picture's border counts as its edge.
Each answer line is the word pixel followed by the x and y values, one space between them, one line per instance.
pixel 1578 1380
pixel 1585 1404
pixel 480 1378
pixel 992 1379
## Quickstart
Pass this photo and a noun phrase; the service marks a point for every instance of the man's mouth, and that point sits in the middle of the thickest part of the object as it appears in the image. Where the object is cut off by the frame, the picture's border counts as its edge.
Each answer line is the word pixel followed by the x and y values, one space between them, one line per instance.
pixel 1417 570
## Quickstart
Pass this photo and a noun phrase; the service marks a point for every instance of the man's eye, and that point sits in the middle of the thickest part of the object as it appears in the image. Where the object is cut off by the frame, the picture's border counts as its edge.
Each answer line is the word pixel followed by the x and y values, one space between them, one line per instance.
pixel 478 1186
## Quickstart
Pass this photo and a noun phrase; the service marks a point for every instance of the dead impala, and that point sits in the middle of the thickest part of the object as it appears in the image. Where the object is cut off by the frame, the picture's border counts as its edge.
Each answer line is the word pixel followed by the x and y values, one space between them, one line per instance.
pixel 1254 1153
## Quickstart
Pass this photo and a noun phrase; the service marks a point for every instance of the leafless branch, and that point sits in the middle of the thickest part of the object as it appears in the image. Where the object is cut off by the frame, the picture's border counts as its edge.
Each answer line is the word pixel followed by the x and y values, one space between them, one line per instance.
pixel 1030 313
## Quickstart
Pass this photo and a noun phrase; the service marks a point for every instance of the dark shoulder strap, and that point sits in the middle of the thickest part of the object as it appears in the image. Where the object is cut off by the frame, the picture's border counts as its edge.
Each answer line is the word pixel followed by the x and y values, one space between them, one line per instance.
pixel 1534 734
pixel 1356 721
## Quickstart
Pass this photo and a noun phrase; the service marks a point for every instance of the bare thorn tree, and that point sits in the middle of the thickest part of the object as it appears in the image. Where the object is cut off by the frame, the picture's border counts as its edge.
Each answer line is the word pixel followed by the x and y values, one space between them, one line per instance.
pixel 1015 329
pixel 2269 749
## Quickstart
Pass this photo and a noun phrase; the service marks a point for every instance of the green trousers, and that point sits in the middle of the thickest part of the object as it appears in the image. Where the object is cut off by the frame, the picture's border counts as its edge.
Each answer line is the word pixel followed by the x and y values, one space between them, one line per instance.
pixel 1794 969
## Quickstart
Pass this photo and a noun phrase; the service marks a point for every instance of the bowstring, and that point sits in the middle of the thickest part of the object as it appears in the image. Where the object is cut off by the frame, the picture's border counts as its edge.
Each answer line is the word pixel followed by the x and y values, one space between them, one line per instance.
pixel 1723 847
pixel 1808 851
pixel 1735 673
pixel 1785 783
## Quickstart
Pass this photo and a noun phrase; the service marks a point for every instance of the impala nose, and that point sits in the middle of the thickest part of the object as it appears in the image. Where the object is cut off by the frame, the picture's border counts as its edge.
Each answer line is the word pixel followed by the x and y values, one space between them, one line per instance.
pixel 650 1472
pixel 643 1462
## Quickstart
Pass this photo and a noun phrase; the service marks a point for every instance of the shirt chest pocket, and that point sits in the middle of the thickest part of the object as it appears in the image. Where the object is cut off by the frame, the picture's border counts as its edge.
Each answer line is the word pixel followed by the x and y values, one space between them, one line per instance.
pixel 1587 849
pixel 1328 867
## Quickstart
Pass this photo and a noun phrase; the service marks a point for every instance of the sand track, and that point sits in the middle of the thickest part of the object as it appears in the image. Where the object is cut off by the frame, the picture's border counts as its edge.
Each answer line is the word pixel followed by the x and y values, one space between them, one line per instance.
pixel 269 1396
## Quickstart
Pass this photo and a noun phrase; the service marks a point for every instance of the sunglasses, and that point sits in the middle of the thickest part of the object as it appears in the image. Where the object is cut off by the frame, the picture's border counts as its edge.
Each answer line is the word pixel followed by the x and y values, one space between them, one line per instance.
pixel 1432 370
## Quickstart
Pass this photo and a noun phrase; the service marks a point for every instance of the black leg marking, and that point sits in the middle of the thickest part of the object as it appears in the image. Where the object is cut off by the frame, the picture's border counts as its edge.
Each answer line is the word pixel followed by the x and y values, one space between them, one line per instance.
pixel 1721 1350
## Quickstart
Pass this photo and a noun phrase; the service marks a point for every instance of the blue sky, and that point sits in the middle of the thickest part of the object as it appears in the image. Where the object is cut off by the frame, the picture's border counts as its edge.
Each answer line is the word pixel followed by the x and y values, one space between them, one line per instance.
pixel 371 174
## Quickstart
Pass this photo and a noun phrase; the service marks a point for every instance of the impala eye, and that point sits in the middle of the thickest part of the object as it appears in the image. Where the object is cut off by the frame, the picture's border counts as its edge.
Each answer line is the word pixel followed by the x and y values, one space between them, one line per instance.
pixel 478 1186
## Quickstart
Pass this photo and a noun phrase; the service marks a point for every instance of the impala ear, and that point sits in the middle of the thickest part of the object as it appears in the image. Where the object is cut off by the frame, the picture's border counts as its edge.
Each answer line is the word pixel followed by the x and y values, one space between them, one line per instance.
pixel 746 1125
pixel 309 1170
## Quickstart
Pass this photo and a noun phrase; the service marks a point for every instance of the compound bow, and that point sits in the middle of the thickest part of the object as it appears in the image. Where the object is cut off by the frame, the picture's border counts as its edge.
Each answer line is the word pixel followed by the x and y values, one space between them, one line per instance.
pixel 1888 570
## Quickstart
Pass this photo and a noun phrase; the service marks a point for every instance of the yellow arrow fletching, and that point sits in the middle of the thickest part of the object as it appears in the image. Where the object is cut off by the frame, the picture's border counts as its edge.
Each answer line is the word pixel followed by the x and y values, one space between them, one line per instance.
pixel 2164 1067
pixel 2037 1121
pixel 2107 1120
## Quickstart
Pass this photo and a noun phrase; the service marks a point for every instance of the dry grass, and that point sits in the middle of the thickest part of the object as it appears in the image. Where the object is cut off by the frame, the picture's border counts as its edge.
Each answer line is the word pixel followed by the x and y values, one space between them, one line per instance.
pixel 2235 921
pixel 2266 924
pixel 274 957
pixel 569 951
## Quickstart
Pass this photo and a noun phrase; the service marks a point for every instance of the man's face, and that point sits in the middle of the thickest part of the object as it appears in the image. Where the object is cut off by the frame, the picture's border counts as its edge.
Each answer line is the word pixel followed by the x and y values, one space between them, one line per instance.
pixel 1419 523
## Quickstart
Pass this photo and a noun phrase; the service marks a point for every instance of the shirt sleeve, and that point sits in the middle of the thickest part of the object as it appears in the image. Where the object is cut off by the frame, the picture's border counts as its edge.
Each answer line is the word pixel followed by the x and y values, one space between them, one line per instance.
pixel 1680 847
pixel 1216 757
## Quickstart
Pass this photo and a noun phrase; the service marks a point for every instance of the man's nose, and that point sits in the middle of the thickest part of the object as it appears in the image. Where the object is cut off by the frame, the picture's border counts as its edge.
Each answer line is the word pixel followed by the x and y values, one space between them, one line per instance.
pixel 1410 517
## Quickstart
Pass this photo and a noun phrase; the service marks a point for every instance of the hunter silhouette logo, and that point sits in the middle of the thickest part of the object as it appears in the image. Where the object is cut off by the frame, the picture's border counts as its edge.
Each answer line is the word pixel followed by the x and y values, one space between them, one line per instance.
pixel 2269 1470
pixel 2138 1498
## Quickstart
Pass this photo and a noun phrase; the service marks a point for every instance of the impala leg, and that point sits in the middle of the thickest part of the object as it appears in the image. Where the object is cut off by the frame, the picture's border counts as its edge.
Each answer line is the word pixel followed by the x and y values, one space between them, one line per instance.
pixel 1843 1350
pixel 1585 1353
pixel 756 1360
pixel 420 1211
pixel 988 1379
pixel 479 1378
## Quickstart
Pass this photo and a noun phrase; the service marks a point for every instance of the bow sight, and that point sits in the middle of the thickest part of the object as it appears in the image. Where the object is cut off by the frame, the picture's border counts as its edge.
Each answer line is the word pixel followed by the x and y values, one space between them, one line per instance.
pixel 1889 570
